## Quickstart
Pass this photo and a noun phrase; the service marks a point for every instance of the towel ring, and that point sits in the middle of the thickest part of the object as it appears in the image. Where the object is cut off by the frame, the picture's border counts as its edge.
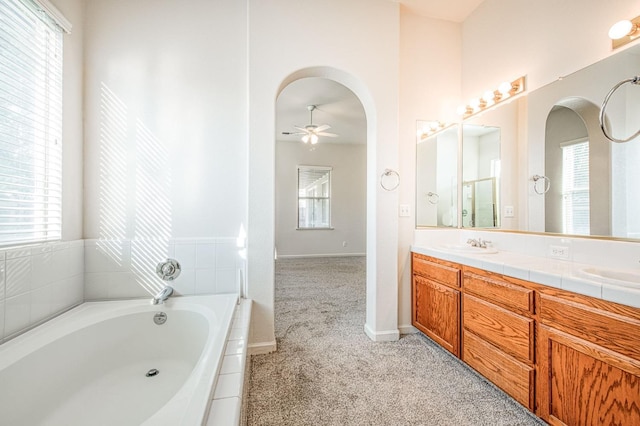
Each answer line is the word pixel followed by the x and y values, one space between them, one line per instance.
pixel 433 198
pixel 547 184
pixel 633 80
pixel 386 174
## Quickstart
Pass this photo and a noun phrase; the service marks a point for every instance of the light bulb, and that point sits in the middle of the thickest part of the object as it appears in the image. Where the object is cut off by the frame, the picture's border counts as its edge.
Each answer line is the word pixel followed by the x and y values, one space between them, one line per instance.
pixel 504 88
pixel 305 138
pixel 314 139
pixel 474 103
pixel 488 97
pixel 620 29
pixel 461 110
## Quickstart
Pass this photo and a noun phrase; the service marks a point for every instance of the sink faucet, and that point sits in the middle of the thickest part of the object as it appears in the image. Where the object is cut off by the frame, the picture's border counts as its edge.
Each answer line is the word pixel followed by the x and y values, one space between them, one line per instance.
pixel 162 295
pixel 480 243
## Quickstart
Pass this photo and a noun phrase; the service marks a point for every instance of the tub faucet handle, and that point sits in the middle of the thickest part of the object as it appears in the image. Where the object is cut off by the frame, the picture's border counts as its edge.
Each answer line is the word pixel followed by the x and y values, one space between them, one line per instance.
pixel 168 270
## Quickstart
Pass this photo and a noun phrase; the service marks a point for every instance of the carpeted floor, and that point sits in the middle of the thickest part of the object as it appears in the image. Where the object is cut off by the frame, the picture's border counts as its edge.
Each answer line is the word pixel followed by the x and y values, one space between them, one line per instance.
pixel 327 372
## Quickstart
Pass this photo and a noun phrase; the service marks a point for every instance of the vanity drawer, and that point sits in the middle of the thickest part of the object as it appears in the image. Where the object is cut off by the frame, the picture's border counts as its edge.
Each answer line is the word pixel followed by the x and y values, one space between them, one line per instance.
pixel 495 289
pixel 443 272
pixel 603 323
pixel 510 332
pixel 510 375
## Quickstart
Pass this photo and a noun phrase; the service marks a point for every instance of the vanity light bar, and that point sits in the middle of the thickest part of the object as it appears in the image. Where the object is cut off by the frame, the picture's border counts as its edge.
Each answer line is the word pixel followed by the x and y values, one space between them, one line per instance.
pixel 490 98
pixel 432 128
pixel 623 32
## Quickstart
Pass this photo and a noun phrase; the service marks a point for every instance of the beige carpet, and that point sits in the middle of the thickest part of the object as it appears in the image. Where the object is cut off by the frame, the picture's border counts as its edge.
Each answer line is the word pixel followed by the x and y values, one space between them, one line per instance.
pixel 327 372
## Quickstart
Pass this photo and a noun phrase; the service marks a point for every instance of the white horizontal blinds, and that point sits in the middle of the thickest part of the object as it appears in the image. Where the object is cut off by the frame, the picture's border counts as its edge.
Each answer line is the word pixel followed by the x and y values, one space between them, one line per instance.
pixel 30 124
pixel 575 188
pixel 314 197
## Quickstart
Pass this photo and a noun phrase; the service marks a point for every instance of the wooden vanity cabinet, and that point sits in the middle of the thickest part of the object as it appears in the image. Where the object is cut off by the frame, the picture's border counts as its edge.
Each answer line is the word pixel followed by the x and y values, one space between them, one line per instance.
pixel 498 332
pixel 435 307
pixel 570 358
pixel 588 358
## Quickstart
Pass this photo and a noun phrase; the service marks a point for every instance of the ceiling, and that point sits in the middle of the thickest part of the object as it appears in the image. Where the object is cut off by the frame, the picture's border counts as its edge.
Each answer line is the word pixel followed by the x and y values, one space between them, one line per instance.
pixel 448 10
pixel 336 105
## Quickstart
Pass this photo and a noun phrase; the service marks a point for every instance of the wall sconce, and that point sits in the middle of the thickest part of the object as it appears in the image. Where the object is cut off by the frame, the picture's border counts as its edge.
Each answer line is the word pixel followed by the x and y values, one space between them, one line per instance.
pixel 490 98
pixel 431 128
pixel 623 32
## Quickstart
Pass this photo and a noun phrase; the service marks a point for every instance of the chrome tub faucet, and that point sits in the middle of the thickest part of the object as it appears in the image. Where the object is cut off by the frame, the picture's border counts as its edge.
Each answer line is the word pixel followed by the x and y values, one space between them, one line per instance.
pixel 162 295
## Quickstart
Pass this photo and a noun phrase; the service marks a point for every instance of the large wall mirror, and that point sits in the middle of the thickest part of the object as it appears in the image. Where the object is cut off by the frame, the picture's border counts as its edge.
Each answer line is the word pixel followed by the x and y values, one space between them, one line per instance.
pixel 591 184
pixel 437 175
pixel 585 184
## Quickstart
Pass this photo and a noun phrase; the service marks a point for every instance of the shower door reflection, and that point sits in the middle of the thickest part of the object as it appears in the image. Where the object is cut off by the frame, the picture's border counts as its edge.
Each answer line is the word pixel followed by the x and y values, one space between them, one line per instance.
pixel 479 204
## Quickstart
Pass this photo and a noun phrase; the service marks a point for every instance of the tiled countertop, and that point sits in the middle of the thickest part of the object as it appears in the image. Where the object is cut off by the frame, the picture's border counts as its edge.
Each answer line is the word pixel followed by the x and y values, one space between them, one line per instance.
pixel 551 272
pixel 227 399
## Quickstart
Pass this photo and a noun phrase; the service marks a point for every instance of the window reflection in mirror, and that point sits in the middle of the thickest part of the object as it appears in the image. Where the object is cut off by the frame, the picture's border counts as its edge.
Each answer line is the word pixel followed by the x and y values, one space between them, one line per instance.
pixel 437 177
pixel 481 167
pixel 567 167
pixel 601 200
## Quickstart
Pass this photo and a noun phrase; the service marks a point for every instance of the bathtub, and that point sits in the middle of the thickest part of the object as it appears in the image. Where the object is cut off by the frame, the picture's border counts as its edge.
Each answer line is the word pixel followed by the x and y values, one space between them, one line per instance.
pixel 109 363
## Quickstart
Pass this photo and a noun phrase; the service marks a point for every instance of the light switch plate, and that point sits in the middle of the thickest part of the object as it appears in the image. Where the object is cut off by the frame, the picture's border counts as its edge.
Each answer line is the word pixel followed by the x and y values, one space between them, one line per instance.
pixel 405 210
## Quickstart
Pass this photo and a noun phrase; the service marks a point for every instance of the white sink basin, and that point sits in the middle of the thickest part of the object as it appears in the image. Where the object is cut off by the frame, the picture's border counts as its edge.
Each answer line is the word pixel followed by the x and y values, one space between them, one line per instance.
pixel 612 276
pixel 465 249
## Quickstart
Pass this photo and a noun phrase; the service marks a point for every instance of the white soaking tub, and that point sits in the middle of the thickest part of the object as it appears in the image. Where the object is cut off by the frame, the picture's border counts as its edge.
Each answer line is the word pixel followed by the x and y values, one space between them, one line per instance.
pixel 109 363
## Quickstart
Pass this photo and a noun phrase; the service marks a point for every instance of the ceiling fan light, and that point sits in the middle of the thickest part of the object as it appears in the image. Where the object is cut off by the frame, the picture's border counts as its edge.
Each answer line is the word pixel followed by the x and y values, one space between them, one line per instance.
pixel 314 139
pixel 305 139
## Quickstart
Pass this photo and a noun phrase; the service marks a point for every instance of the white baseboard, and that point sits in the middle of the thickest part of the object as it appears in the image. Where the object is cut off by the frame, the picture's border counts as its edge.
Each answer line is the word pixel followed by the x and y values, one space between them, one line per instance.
pixel 302 256
pixel 407 329
pixel 382 336
pixel 262 348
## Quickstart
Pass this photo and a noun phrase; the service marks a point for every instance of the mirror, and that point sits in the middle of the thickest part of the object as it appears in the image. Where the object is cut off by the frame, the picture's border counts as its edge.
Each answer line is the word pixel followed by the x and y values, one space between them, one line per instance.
pixel 552 134
pixel 592 182
pixel 481 165
pixel 437 176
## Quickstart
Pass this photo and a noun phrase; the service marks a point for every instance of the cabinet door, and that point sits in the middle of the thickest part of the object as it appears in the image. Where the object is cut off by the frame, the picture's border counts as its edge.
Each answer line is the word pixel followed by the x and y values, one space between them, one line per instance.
pixel 436 312
pixel 581 383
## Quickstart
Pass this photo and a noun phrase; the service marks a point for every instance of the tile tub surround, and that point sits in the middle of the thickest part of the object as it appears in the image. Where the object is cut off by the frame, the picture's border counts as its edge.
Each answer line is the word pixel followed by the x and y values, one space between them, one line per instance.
pixel 228 398
pixel 120 269
pixel 527 257
pixel 38 282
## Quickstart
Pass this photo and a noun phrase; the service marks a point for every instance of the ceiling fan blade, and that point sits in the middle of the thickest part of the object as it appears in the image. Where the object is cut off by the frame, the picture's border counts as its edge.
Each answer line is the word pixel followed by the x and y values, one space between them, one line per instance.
pixel 302 129
pixel 322 128
pixel 330 135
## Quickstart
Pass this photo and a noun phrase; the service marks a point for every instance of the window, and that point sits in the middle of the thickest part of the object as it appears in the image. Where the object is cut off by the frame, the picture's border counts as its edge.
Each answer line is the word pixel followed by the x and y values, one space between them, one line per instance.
pixel 314 197
pixel 30 124
pixel 575 188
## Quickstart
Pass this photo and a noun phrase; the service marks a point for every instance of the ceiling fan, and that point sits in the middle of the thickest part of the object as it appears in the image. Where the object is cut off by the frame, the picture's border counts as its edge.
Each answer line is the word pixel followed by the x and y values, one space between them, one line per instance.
pixel 311 132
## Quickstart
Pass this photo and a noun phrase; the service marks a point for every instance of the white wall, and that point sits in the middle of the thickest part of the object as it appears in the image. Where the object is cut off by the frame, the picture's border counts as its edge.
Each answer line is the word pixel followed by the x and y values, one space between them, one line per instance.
pixel 72 119
pixel 356 44
pixel 166 119
pixel 544 40
pixel 165 143
pixel 430 66
pixel 348 199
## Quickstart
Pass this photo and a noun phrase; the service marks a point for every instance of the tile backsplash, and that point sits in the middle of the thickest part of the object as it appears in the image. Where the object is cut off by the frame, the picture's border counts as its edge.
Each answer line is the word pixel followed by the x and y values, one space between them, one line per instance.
pixel 38 282
pixel 127 268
